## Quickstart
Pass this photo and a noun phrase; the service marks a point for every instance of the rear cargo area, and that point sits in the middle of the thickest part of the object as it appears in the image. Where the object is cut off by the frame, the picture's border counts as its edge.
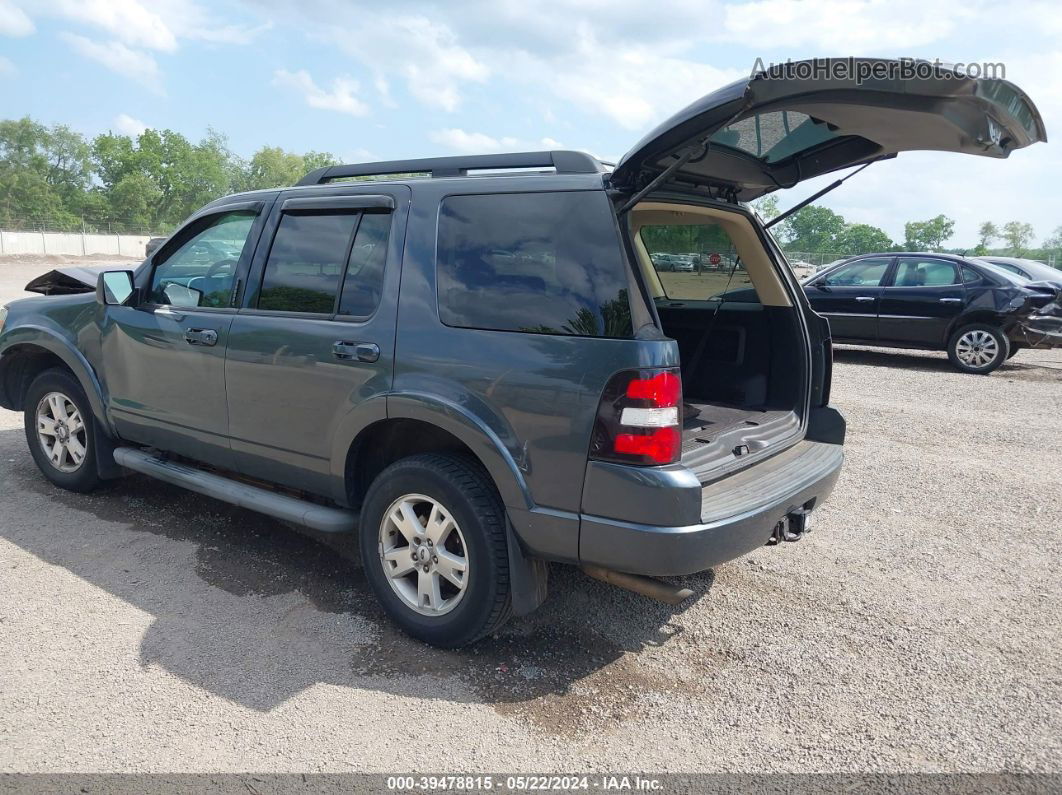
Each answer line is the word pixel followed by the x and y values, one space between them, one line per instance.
pixel 741 344
pixel 742 378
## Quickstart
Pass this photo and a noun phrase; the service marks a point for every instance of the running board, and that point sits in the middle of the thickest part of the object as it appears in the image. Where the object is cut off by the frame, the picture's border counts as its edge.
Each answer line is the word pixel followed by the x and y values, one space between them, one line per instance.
pixel 279 506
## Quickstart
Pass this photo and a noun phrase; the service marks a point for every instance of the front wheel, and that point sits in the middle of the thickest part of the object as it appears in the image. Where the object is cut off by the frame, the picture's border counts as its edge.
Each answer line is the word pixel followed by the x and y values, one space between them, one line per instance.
pixel 60 431
pixel 978 348
pixel 433 545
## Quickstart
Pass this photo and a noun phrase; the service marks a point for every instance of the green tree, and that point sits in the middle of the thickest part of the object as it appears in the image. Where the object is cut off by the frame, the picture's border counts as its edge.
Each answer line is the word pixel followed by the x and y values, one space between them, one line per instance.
pixel 1053 245
pixel 862 239
pixel 44 173
pixel 182 176
pixel 928 235
pixel 1018 236
pixel 813 228
pixel 766 206
pixel 986 233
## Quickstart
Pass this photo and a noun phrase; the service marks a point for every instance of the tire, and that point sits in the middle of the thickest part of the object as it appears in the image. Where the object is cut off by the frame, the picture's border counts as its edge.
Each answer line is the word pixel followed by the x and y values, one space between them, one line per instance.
pixel 978 348
pixel 441 490
pixel 55 397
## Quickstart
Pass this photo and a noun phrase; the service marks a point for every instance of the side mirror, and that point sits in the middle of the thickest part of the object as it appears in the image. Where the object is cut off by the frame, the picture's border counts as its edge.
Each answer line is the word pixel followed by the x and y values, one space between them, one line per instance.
pixel 115 288
pixel 821 284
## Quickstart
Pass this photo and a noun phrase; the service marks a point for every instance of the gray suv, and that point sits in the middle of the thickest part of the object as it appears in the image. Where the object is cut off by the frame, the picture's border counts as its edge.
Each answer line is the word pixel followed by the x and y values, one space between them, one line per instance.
pixel 473 363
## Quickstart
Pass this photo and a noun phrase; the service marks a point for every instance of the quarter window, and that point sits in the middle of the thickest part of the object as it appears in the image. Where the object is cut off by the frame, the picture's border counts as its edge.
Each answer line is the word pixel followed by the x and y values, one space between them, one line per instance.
pixel 911 272
pixel 547 263
pixel 202 270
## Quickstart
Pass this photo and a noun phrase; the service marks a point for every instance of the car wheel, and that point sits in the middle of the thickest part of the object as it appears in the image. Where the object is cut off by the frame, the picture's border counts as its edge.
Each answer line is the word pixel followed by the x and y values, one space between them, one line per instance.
pixel 978 348
pixel 61 431
pixel 433 545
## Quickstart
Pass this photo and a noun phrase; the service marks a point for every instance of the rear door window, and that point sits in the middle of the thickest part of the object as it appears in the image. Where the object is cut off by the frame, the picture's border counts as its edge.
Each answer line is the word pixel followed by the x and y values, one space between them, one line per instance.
pixel 311 252
pixel 918 272
pixel 546 263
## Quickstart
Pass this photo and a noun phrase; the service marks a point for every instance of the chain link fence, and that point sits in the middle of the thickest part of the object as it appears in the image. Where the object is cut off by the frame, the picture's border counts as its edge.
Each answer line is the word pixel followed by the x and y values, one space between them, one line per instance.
pixel 87 224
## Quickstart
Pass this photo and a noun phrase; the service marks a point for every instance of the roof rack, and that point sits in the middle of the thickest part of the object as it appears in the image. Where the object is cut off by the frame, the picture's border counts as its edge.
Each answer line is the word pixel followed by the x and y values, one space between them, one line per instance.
pixel 565 162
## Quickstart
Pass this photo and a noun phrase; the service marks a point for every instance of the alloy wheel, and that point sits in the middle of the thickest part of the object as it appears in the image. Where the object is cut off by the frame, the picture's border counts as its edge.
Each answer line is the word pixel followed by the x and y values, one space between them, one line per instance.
pixel 423 554
pixel 61 432
pixel 977 348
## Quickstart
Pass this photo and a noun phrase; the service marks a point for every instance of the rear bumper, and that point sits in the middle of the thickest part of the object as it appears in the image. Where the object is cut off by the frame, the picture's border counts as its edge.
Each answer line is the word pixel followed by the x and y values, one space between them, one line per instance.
pixel 738 514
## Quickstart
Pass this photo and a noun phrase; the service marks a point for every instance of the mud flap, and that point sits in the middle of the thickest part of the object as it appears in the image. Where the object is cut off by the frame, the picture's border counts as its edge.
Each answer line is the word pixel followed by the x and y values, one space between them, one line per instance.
pixel 528 577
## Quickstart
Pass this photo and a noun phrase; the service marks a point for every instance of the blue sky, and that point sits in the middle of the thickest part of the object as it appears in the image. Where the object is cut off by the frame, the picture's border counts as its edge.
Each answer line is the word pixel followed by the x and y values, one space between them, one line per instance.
pixel 382 80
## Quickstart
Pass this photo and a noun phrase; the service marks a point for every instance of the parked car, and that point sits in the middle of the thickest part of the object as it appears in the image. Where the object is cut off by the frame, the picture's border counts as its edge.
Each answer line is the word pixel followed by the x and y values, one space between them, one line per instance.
pixel 480 374
pixel 979 314
pixel 672 262
pixel 152 245
pixel 1029 269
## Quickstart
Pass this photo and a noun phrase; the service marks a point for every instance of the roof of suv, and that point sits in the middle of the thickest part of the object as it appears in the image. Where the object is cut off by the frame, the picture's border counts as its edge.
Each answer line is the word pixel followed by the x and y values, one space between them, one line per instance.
pixel 507 165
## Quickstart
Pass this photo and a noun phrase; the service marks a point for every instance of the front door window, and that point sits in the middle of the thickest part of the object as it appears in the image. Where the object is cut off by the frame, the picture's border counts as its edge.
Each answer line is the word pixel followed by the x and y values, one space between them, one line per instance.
pixel 201 271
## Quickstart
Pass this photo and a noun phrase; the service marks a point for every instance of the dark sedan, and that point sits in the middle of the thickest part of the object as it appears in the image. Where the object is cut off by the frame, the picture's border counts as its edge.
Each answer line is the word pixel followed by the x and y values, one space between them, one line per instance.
pixel 979 314
pixel 1028 269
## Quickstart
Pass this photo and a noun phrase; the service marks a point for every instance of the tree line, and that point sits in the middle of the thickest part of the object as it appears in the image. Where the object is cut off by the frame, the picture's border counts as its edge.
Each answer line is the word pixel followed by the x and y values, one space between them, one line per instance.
pixel 55 178
pixel 819 229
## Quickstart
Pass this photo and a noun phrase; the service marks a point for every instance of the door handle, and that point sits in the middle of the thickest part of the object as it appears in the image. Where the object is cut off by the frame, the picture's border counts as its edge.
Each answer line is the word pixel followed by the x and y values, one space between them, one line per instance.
pixel 201 336
pixel 862 298
pixel 362 351
pixel 950 300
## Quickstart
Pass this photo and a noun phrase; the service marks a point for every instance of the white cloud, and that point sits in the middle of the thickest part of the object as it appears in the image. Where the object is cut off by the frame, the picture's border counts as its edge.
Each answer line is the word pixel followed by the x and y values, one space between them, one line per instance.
pixel 851 26
pixel 127 125
pixel 13 20
pixel 128 21
pixel 342 98
pixel 133 64
pixel 633 88
pixel 7 68
pixel 424 53
pixel 457 140
pixel 157 25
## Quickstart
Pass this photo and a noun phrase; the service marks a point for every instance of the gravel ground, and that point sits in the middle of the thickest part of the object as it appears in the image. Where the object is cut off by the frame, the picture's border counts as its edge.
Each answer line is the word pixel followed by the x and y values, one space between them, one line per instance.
pixel 917 629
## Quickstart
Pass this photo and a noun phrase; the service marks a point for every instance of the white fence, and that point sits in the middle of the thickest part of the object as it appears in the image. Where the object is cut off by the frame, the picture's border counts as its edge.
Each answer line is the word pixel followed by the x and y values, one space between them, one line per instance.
pixel 72 244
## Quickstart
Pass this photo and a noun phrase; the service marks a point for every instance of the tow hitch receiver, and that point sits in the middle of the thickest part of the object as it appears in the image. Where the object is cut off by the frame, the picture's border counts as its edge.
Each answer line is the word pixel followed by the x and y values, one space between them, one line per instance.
pixel 792 527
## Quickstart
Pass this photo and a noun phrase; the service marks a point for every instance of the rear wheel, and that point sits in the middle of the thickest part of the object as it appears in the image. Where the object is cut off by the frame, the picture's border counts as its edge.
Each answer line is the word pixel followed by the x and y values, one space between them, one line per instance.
pixel 433 545
pixel 60 431
pixel 978 348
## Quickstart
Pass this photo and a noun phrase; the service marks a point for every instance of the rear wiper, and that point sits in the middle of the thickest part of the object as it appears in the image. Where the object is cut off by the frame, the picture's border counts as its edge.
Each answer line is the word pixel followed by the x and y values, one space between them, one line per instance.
pixel 823 192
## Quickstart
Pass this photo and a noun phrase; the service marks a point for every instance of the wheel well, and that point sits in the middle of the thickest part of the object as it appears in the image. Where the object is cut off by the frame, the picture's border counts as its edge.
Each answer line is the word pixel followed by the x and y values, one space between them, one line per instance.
pixel 985 317
pixel 21 364
pixel 381 444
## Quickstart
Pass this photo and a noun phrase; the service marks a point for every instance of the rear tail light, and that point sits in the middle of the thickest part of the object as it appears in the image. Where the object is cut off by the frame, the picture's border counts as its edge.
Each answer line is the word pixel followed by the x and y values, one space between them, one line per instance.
pixel 638 419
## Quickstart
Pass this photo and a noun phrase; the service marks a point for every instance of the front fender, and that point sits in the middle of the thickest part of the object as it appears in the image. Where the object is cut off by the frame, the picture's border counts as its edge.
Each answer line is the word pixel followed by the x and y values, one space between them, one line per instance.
pixel 53 342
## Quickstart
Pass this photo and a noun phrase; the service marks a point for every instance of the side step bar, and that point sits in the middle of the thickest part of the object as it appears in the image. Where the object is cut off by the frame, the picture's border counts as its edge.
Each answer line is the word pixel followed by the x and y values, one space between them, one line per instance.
pixel 279 506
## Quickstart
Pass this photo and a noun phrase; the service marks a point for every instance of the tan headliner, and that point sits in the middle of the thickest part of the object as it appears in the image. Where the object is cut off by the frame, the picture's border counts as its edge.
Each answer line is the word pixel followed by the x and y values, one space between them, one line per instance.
pixel 746 242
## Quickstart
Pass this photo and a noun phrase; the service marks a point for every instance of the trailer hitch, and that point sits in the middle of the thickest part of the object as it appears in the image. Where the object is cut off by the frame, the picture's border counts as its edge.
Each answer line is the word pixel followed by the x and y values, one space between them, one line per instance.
pixel 792 527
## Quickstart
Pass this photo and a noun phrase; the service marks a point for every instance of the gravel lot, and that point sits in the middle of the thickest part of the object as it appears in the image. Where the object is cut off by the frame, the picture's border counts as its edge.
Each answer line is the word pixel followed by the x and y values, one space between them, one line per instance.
pixel 917 629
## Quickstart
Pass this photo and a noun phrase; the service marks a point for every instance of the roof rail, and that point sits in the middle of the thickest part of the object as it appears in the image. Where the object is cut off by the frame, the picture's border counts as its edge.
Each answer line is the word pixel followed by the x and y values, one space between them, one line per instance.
pixel 565 162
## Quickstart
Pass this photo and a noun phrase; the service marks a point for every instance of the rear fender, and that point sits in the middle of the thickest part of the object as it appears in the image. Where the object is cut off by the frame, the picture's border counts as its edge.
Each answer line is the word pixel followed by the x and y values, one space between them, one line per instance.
pixel 481 439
